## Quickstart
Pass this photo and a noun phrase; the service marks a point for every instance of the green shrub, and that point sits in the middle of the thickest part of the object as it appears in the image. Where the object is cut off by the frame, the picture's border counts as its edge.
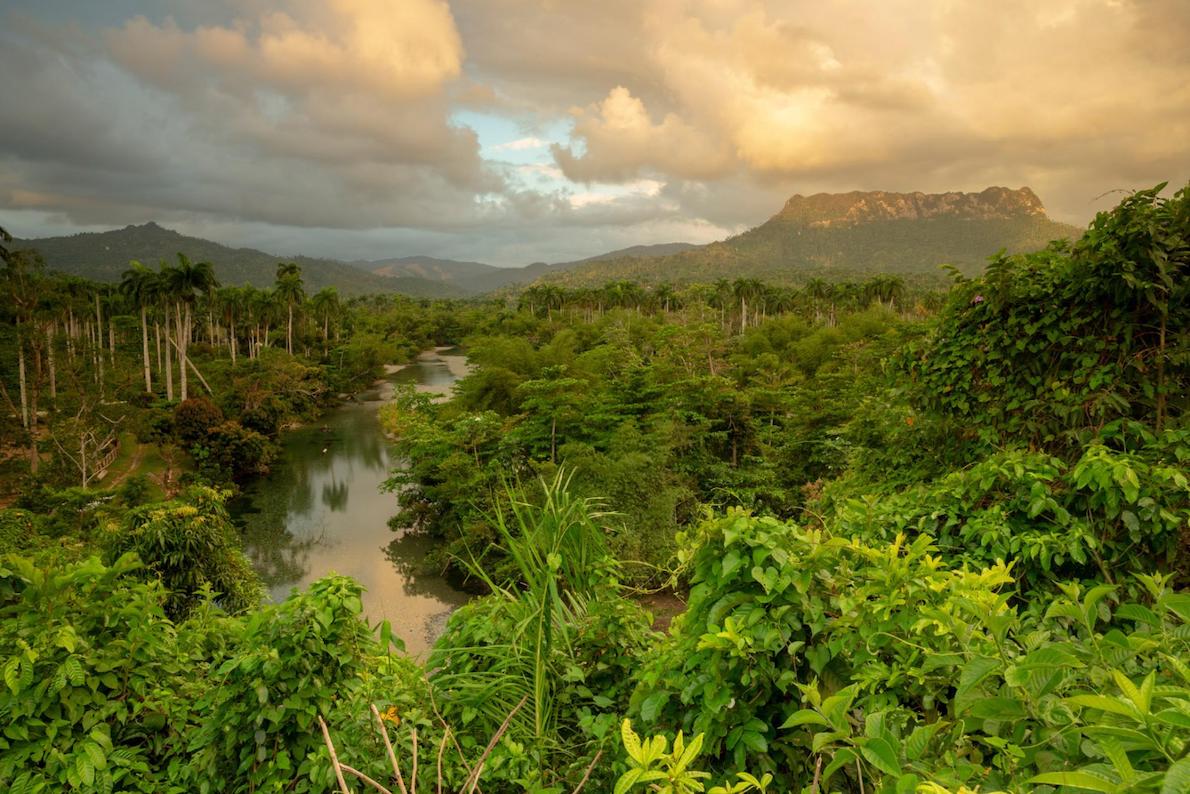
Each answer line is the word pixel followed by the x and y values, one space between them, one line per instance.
pixel 297 660
pixel 194 418
pixel 190 545
pixel 98 685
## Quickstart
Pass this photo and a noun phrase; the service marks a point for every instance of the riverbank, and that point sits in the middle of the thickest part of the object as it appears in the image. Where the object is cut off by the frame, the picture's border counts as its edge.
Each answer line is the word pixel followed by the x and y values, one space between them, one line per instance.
pixel 324 509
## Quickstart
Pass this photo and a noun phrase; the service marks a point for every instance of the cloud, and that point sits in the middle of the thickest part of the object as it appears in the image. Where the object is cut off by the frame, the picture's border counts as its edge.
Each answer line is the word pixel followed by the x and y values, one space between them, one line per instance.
pixel 521 144
pixel 337 120
pixel 621 142
pixel 384 49
pixel 1071 97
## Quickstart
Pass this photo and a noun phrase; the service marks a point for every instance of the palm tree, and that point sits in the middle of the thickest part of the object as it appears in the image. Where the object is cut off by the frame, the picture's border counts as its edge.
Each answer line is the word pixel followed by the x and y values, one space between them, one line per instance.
pixel 325 302
pixel 160 289
pixel 289 288
pixel 746 289
pixel 231 304
pixel 185 282
pixel 138 286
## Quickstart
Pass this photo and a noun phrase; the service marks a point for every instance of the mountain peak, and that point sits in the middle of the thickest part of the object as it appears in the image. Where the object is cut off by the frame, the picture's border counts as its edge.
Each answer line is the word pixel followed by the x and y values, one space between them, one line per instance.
pixel 857 207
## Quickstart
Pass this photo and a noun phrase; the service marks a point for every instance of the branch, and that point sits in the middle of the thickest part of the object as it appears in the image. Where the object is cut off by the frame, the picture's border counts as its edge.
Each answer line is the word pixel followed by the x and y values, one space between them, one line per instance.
pixel 473 780
pixel 366 779
pixel 587 774
pixel 388 745
pixel 326 736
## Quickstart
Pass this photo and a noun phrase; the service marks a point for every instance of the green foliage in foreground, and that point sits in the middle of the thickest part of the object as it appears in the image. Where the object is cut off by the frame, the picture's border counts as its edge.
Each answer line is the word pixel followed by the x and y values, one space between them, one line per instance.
pixel 908 670
pixel 933 578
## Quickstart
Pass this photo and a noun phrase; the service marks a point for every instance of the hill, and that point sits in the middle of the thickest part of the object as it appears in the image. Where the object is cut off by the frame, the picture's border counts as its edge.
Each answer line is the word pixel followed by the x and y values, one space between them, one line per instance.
pixel 103 256
pixel 429 268
pixel 849 234
pixel 477 277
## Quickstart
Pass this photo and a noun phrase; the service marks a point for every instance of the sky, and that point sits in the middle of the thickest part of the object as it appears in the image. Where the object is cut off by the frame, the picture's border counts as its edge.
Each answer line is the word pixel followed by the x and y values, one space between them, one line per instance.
pixel 513 131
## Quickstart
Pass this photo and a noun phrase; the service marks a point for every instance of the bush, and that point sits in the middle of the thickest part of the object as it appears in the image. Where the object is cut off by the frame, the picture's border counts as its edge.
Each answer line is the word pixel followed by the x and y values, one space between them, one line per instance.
pixel 18 530
pixel 98 685
pixel 233 452
pixel 194 419
pixel 190 545
pixel 296 661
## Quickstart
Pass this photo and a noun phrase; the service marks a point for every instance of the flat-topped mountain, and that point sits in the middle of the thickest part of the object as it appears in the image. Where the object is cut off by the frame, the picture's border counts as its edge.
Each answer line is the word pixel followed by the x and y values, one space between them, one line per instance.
pixel 846 235
pixel 850 209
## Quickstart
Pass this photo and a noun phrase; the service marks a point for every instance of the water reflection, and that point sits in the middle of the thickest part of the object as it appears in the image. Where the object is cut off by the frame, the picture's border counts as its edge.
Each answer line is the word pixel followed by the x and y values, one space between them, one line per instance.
pixel 321 511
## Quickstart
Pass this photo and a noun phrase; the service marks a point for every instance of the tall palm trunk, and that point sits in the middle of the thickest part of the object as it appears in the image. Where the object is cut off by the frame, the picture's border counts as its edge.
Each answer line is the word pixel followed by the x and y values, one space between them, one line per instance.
pixel 289 331
pixel 169 361
pixel 144 339
pixel 49 347
pixel 98 346
pixel 34 457
pixel 231 338
pixel 183 324
pixel 21 377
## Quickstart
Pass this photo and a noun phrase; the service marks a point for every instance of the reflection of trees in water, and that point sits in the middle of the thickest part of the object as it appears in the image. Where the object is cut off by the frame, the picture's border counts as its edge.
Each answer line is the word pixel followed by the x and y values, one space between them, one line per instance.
pixel 277 555
pixel 284 560
pixel 407 552
pixel 334 496
pixel 320 465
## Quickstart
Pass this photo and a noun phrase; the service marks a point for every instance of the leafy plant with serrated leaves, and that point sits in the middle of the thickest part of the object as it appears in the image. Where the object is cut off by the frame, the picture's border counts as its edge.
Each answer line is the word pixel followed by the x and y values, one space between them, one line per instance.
pixel 673 772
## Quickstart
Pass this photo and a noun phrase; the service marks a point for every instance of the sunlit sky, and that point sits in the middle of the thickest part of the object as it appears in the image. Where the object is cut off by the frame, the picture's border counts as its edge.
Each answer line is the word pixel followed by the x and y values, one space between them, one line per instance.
pixel 511 131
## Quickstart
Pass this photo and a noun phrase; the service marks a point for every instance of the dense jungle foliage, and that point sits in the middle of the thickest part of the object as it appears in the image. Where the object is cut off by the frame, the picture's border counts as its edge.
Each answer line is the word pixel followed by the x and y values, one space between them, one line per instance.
pixel 925 542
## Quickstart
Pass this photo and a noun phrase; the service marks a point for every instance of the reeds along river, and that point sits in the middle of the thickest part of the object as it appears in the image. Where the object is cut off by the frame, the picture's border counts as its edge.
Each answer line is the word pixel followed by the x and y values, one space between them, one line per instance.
pixel 321 511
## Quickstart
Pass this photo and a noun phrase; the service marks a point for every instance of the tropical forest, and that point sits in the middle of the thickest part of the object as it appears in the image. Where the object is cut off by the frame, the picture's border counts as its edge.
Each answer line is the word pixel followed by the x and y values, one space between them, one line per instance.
pixel 651 397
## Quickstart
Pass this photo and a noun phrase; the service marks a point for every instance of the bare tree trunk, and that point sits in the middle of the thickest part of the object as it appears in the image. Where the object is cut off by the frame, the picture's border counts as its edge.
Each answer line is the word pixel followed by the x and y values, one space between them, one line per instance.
pixel 169 361
pixel 144 339
pixel 111 343
pixel 34 458
pixel 70 336
pixel 24 385
pixel 289 331
pixel 49 347
pixel 98 346
pixel 231 339
pixel 183 323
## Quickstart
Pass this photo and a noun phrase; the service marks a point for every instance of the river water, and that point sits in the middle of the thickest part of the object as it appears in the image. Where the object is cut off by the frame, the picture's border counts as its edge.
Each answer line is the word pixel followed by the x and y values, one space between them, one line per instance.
pixel 321 511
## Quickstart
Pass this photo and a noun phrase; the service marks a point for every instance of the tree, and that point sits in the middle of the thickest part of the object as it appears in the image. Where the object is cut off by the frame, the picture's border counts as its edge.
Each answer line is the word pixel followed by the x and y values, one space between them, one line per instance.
pixel 138 286
pixel 22 280
pixel 289 287
pixel 185 282
pixel 325 303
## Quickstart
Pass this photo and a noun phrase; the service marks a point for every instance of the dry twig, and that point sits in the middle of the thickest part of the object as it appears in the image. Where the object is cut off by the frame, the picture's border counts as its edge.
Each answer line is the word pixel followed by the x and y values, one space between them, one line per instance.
pixel 326 736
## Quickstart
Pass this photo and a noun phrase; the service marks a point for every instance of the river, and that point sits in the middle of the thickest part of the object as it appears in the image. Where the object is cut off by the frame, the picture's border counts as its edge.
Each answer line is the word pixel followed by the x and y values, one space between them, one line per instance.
pixel 321 511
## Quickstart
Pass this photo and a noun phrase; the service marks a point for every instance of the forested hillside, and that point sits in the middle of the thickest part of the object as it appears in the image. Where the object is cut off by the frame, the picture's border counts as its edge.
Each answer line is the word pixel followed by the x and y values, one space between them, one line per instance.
pixel 103 256
pixel 911 539
pixel 848 235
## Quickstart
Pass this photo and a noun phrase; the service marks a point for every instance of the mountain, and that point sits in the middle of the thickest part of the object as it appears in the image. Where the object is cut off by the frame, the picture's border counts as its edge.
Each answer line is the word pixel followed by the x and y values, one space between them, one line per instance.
pixel 477 277
pixel 427 267
pixel 854 234
pixel 103 256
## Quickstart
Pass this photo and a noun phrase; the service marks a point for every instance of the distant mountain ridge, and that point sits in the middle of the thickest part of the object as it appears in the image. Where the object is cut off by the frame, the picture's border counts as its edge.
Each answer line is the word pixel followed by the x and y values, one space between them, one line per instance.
pixel 831 235
pixel 427 267
pixel 837 235
pixel 478 277
pixel 104 256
